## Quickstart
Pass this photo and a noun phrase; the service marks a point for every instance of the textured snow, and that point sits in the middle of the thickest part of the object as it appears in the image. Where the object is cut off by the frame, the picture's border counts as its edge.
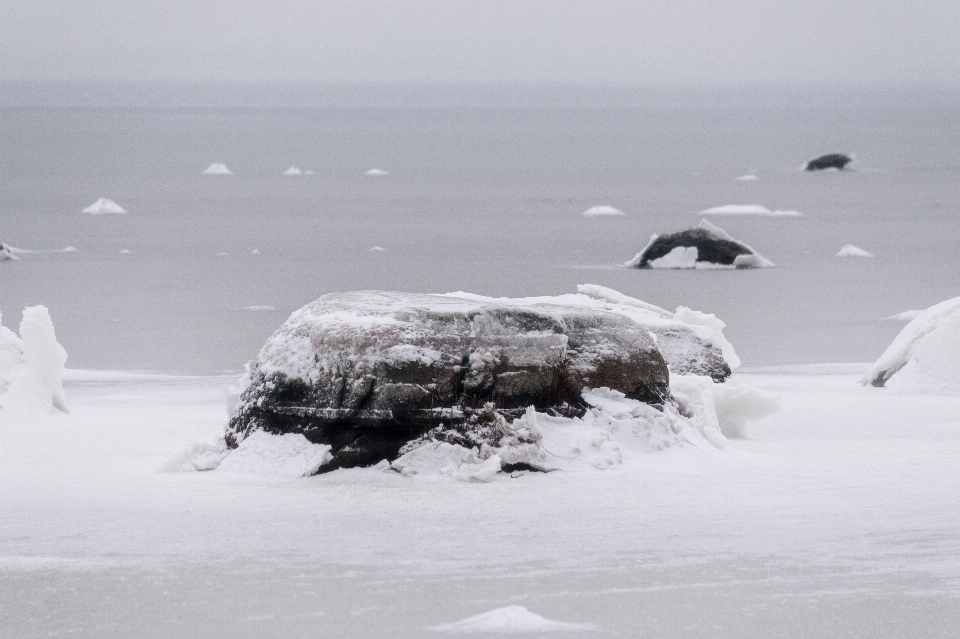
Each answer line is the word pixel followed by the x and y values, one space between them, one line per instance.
pixel 103 205
pixel 217 169
pixel 849 250
pixel 509 620
pixel 602 209
pixel 376 172
pixel 925 355
pixel 31 365
pixel 202 454
pixel 289 455
pixel 748 209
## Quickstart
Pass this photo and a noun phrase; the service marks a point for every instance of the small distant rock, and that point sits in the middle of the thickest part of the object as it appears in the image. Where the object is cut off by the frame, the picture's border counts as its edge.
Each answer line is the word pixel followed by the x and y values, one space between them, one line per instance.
pixel 849 250
pixel 596 211
pixel 704 246
pixel 829 161
pixel 217 169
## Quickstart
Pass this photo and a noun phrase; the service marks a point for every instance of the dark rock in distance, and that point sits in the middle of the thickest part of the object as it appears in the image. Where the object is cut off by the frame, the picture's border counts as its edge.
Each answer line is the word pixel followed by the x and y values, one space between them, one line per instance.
pixel 714 247
pixel 367 372
pixel 829 161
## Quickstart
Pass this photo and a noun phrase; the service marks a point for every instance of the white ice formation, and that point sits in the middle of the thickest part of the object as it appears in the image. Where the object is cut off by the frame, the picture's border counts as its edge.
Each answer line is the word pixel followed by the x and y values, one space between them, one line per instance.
pixel 31 365
pixel 601 210
pixel 748 178
pixel 103 205
pixel 217 169
pixel 377 249
pixel 748 209
pixel 293 170
pixel 376 172
pixel 925 356
pixel 290 455
pixel 509 620
pixel 849 250
pixel 905 316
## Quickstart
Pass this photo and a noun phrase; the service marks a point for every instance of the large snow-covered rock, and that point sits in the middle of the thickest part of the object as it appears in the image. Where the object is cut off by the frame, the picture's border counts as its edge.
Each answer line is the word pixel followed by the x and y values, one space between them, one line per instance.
pixel 366 372
pixel 925 356
pixel 369 372
pixel 31 365
pixel 704 246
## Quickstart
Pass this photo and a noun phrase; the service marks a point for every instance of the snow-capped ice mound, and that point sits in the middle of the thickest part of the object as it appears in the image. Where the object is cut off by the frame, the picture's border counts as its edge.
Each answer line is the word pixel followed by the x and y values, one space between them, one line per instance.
pixel 905 316
pixel 748 209
pixel 849 250
pixel 596 211
pixel 6 254
pixel 377 249
pixel 925 356
pixel 31 365
pixel 293 170
pixel 704 246
pixel 376 172
pixel 217 169
pixel 509 620
pixel 103 205
pixel 288 455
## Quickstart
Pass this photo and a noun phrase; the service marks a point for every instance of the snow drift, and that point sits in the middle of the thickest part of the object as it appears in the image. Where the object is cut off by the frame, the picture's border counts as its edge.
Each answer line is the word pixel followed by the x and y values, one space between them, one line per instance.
pixel 103 205
pixel 376 173
pixel 31 365
pixel 925 355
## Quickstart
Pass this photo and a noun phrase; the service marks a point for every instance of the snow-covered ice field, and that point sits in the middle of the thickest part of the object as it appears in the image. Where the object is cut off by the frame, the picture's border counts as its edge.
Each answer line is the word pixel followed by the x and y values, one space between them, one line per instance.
pixel 836 517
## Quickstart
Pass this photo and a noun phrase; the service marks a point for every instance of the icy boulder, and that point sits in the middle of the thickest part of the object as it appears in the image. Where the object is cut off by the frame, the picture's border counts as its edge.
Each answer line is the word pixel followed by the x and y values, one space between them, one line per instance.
pixel 367 372
pixel 704 246
pixel 6 254
pixel 31 365
pixel 925 356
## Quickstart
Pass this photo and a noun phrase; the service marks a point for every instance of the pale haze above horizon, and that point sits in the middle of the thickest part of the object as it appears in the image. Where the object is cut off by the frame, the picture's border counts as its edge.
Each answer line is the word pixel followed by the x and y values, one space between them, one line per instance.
pixel 721 41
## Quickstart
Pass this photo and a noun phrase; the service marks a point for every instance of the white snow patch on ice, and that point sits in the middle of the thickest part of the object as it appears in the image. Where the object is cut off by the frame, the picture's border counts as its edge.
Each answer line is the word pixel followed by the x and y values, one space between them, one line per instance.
pixel 31 365
pixel 748 178
pixel 289 455
pixel 925 355
pixel 603 209
pixel 103 205
pixel 377 249
pixel 376 172
pixel 217 169
pixel 293 170
pixel 748 209
pixel 125 252
pixel 509 620
pixel 257 308
pixel 849 250
pixel 255 252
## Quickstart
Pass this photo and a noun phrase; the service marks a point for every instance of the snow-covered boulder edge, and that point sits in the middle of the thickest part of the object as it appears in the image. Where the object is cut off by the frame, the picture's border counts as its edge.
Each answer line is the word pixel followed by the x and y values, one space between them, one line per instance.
pixel 31 365
pixel 925 355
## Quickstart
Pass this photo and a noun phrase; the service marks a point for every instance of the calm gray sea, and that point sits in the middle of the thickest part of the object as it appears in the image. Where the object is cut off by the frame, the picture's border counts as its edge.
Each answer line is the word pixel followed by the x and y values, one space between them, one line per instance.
pixel 486 199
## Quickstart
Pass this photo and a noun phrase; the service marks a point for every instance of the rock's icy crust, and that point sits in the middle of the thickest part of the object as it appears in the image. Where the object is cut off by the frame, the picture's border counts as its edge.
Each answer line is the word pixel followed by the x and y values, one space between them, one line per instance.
pixel 705 246
pixel 31 366
pixel 925 356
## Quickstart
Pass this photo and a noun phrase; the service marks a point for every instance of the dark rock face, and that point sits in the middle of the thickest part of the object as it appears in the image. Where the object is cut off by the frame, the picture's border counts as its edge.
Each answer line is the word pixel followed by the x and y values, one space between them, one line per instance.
pixel 367 372
pixel 829 161
pixel 712 244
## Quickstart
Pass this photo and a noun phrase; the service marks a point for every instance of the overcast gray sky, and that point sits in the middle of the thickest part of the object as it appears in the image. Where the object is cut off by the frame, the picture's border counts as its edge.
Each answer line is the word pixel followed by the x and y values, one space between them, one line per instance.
pixel 483 40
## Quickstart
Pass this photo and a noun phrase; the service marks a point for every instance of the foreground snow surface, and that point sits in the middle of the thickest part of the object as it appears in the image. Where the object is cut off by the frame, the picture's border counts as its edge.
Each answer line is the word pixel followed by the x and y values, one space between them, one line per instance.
pixel 836 517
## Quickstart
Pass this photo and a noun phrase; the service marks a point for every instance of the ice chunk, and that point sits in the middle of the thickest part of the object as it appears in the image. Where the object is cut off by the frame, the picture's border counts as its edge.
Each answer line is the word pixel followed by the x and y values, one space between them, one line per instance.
pixel 678 257
pixel 433 458
pixel 748 209
pixel 905 316
pixel 290 455
pixel 257 308
pixel 927 351
pixel 31 366
pixel 603 209
pixel 103 205
pixel 377 249
pixel 509 620
pixel 6 254
pixel 204 454
pixel 217 169
pixel 849 250
pixel 125 252
pixel 748 178
pixel 293 170
pixel 376 172
pixel 484 472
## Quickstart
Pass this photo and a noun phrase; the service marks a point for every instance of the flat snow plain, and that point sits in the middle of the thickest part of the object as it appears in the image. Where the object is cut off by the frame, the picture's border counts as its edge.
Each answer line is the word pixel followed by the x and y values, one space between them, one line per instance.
pixel 837 517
